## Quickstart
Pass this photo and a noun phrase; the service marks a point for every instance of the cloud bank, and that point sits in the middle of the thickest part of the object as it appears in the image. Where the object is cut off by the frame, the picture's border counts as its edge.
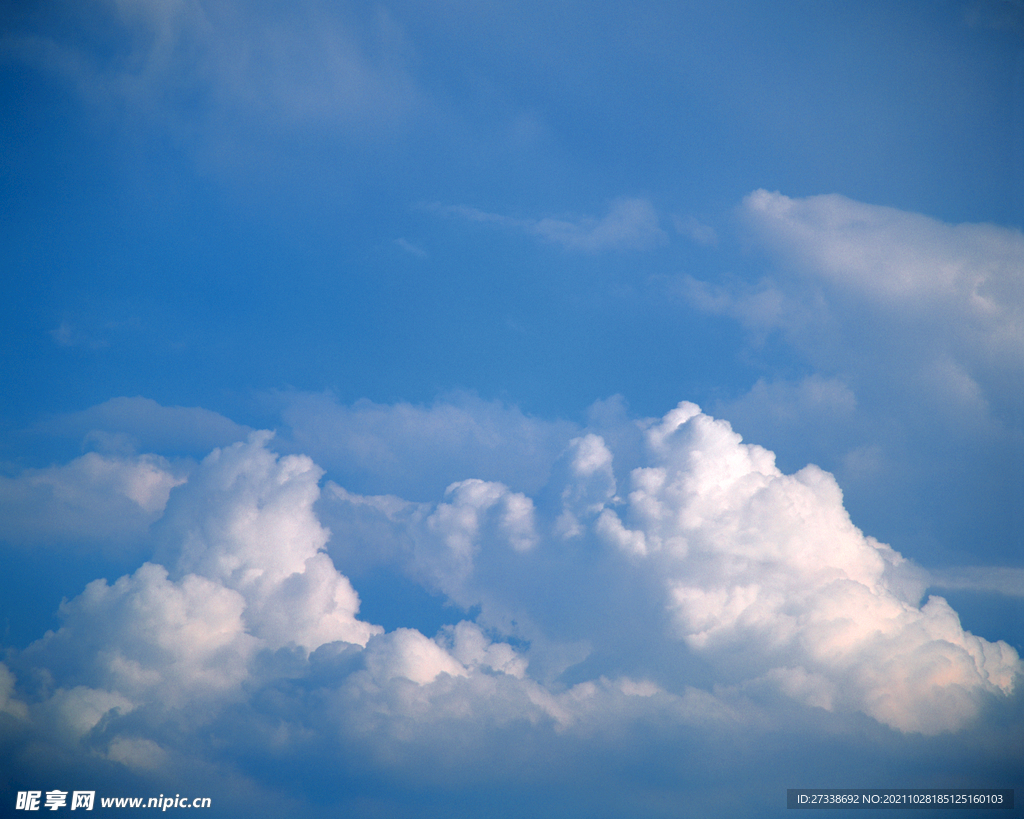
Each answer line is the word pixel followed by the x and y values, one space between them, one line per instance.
pixel 703 590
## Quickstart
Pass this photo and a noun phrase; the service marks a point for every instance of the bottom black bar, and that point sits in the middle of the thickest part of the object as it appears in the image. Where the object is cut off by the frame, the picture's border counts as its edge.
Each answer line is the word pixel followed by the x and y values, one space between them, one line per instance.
pixel 898 798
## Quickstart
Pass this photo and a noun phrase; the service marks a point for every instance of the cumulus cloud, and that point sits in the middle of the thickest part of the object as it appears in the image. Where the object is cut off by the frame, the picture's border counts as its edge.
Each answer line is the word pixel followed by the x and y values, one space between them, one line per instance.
pixel 704 588
pixel 760 573
pixel 245 520
pixel 247 576
pixel 107 498
pixel 630 224
pixel 147 639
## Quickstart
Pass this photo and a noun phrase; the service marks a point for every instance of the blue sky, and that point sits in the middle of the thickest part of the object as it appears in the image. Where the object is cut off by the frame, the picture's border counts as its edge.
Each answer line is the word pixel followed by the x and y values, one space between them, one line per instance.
pixel 464 408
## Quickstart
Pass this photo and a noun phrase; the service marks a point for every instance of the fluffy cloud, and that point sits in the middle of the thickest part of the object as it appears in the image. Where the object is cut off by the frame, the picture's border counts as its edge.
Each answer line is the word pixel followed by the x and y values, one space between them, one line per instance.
pixel 147 639
pixel 247 577
pixel 245 520
pixel 759 573
pixel 704 588
pixel 766 570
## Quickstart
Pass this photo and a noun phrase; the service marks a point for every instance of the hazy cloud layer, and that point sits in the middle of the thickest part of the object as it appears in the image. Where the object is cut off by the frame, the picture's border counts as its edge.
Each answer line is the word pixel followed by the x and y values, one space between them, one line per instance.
pixel 1003 580
pixel 182 63
pixel 103 501
pixel 128 425
pixel 417 450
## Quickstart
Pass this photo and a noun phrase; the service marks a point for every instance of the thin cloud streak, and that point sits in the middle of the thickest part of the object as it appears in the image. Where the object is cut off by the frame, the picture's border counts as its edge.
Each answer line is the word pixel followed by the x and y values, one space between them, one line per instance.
pixel 630 224
pixel 1004 580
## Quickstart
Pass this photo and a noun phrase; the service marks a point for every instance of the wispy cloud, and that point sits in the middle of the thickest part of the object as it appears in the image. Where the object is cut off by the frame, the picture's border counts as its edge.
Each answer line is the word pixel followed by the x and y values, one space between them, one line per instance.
pixel 630 224
pixel 418 450
pixel 966 277
pixel 230 67
pixel 695 230
pixel 131 424
pixel 410 248
pixel 1005 580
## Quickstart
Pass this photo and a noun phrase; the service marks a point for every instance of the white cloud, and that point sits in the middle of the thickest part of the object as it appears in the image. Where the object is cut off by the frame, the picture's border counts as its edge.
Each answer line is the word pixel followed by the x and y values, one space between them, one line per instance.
pixel 99 500
pixel 872 291
pixel 246 520
pixel 147 639
pixel 912 331
pixel 760 308
pixel 894 256
pixel 408 654
pixel 80 709
pixel 468 644
pixel 707 588
pixel 630 224
pixel 586 469
pixel 962 282
pixel 475 511
pixel 8 703
pixel 248 577
pixel 761 573
pixel 766 570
